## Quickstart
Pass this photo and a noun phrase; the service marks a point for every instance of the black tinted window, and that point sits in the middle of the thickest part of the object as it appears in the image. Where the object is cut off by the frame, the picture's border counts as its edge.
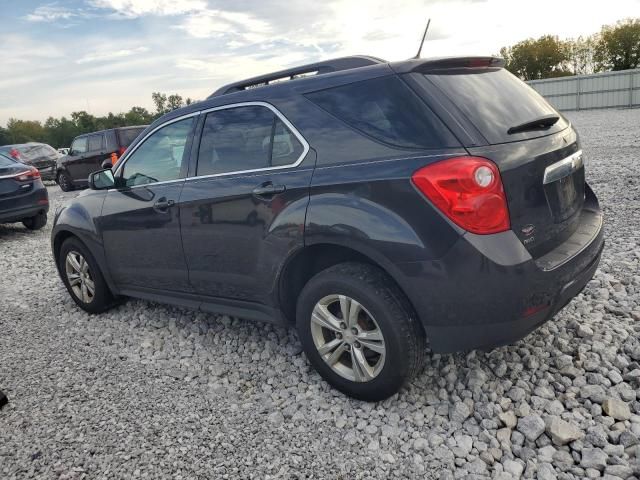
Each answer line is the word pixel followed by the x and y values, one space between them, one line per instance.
pixel 387 110
pixel 494 100
pixel 128 135
pixel 160 157
pixel 79 145
pixel 95 142
pixel 6 161
pixel 245 138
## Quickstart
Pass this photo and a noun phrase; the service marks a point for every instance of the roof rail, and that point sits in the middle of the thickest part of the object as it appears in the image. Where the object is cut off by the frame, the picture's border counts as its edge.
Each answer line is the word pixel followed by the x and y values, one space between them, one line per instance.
pixel 328 66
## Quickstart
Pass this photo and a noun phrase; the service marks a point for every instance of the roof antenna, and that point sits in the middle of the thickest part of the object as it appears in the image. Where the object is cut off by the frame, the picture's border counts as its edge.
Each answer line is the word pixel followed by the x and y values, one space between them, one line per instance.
pixel 422 42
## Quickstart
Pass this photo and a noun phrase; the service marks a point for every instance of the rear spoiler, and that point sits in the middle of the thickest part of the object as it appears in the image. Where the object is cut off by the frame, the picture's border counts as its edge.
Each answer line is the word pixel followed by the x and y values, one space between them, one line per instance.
pixel 445 63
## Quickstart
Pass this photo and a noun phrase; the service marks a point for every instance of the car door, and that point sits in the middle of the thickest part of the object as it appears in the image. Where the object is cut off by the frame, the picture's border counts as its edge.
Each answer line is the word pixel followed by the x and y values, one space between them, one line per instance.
pixel 242 210
pixel 140 218
pixel 74 161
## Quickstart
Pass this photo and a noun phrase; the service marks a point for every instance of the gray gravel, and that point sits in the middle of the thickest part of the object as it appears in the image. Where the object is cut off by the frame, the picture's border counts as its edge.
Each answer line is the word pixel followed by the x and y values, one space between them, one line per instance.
pixel 160 392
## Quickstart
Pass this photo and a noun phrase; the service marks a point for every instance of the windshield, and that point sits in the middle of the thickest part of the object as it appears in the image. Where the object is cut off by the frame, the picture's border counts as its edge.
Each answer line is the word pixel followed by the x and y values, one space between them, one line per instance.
pixel 495 101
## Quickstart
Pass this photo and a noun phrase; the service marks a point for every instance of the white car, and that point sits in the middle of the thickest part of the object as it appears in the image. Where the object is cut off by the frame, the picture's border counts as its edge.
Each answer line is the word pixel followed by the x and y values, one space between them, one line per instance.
pixel 63 151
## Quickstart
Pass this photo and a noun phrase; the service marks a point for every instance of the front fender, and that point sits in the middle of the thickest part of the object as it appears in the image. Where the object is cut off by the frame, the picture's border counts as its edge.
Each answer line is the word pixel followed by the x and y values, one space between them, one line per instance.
pixel 78 219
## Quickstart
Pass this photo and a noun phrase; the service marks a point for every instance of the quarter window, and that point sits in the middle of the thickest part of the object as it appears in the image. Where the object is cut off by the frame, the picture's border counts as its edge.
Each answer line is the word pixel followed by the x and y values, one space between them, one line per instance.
pixel 245 138
pixel 160 157
pixel 387 110
pixel 79 145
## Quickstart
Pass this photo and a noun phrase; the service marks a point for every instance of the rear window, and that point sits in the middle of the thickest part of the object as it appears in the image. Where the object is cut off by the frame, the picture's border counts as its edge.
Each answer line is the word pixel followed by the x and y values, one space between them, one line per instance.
pixel 387 110
pixel 494 100
pixel 128 135
pixel 6 161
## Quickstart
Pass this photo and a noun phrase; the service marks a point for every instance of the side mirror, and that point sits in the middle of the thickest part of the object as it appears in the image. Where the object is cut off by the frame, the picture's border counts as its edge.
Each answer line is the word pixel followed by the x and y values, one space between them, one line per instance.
pixel 106 164
pixel 102 180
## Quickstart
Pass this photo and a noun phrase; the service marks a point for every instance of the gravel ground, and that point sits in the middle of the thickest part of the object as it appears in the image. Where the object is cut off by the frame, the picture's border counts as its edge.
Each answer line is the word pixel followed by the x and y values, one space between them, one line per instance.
pixel 152 391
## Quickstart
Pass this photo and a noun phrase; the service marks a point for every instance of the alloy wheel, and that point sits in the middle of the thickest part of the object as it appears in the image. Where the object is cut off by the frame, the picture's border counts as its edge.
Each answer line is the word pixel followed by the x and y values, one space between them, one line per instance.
pixel 348 338
pixel 79 276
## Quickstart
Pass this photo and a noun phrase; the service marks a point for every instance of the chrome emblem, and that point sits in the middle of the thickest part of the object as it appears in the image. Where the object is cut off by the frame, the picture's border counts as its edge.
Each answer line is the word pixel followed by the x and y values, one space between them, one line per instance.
pixel 528 229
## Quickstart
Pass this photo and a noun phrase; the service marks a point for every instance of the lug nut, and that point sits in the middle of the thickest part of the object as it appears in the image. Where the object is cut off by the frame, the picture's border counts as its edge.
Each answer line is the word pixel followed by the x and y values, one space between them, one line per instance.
pixel 357 345
pixel 354 330
pixel 339 336
pixel 347 347
pixel 343 326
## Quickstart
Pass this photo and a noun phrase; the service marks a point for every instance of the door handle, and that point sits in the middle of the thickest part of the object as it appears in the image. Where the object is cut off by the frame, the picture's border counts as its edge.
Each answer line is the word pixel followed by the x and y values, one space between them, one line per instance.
pixel 268 190
pixel 163 204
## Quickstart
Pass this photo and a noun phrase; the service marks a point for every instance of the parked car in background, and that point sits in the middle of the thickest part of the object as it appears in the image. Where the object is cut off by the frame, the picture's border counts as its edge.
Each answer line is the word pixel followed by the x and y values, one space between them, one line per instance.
pixel 63 151
pixel 39 155
pixel 89 151
pixel 374 205
pixel 23 196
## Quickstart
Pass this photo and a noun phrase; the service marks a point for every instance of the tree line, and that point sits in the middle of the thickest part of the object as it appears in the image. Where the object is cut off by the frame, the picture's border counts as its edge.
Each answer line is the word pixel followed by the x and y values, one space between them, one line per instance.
pixel 59 132
pixel 615 47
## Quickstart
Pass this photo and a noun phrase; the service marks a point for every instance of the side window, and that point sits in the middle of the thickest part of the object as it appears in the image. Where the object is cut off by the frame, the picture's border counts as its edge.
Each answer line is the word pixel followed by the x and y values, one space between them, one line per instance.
pixel 160 157
pixel 79 145
pixel 95 142
pixel 387 110
pixel 245 138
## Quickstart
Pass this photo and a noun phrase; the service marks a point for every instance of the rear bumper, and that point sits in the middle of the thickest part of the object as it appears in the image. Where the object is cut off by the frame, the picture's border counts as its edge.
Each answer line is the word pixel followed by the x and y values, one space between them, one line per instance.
pixel 487 291
pixel 48 173
pixel 15 209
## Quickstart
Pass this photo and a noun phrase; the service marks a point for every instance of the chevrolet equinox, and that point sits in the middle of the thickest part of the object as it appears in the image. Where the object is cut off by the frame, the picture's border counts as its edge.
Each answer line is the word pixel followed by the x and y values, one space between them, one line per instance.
pixel 377 206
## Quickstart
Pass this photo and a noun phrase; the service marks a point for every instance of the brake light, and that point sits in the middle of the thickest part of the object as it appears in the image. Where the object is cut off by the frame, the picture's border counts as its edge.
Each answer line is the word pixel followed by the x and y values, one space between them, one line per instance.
pixel 469 191
pixel 32 174
pixel 14 153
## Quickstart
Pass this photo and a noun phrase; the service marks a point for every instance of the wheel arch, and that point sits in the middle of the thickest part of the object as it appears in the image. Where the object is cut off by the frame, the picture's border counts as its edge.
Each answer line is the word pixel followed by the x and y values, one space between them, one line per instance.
pixel 312 259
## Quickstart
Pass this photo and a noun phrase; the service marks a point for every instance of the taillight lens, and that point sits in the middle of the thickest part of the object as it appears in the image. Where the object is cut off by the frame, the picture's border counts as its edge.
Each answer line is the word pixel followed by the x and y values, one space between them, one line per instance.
pixel 469 191
pixel 14 153
pixel 32 174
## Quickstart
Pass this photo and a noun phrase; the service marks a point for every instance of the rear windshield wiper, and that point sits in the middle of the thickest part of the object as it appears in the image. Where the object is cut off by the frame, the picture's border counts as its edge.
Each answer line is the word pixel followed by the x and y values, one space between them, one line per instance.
pixel 537 124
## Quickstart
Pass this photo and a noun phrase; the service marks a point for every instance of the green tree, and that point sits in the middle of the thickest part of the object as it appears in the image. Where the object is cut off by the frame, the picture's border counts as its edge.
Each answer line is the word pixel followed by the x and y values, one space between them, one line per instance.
pixel 533 59
pixel 581 52
pixel 23 131
pixel 618 47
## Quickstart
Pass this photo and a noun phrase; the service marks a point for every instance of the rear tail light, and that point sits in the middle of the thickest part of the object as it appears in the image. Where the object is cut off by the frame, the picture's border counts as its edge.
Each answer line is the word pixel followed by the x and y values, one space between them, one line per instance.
pixel 468 190
pixel 32 174
pixel 14 153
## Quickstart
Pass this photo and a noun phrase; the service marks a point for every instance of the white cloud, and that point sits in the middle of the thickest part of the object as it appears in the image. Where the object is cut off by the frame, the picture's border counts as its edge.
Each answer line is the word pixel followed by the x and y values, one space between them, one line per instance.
pixel 50 12
pixel 137 8
pixel 110 55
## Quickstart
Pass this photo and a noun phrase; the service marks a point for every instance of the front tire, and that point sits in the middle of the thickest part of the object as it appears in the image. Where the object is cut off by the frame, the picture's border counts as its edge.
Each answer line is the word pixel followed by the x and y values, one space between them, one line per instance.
pixel 36 222
pixel 64 181
pixel 359 332
pixel 83 278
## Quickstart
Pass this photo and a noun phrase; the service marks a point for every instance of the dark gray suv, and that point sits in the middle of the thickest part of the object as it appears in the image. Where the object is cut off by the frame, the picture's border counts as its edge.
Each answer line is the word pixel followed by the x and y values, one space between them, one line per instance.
pixel 374 205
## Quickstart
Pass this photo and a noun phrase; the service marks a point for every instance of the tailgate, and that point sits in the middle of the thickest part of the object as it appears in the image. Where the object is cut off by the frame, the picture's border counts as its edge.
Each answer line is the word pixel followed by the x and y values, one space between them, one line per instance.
pixel 545 186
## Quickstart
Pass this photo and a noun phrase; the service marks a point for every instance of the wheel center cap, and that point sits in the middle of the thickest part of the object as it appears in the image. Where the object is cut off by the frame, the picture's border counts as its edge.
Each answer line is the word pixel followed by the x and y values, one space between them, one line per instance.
pixel 349 337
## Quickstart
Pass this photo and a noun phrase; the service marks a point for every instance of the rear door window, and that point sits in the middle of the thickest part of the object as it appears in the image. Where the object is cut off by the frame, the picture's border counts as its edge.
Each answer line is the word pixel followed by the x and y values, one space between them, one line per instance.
pixel 387 110
pixel 245 138
pixel 95 142
pixel 128 135
pixel 494 100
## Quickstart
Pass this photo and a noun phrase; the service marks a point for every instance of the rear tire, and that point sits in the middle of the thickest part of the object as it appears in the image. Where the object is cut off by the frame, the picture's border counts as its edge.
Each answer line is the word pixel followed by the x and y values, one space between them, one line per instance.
pixel 36 222
pixel 382 347
pixel 83 278
pixel 65 182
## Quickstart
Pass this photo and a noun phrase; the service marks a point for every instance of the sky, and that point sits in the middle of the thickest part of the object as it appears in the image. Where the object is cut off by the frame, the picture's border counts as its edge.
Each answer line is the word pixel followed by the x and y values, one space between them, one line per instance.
pixel 61 56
